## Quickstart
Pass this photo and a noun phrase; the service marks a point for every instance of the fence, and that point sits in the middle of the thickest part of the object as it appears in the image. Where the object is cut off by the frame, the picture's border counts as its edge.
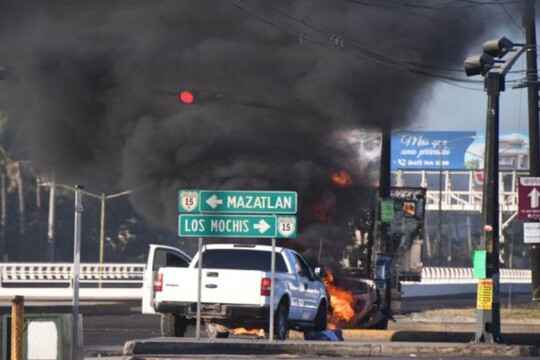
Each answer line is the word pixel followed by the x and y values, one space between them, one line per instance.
pixel 47 281
pixel 455 281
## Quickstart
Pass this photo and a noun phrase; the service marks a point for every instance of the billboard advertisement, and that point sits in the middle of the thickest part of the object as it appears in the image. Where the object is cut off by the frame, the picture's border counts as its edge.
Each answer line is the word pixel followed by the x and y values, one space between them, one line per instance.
pixel 456 150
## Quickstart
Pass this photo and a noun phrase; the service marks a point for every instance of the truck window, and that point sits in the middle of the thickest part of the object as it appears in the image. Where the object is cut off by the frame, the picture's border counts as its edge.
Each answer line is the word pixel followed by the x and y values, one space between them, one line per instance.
pixel 164 258
pixel 236 259
pixel 303 268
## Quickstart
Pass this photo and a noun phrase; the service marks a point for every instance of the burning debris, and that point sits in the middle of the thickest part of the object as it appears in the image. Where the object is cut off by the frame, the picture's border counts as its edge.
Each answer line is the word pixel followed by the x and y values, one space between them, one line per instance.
pixel 259 333
pixel 342 178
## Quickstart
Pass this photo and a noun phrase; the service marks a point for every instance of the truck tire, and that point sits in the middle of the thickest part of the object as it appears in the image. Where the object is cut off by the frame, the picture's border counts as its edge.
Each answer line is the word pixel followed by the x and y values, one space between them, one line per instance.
pixel 281 319
pixel 173 325
pixel 216 331
pixel 321 319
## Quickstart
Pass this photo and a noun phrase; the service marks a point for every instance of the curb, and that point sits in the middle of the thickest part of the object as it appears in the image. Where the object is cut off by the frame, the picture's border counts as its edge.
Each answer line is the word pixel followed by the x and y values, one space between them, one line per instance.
pixel 161 346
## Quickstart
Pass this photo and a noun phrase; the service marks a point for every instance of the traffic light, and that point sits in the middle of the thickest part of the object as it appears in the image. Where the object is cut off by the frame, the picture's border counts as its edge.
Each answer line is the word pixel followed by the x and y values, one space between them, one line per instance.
pixel 212 98
pixel 198 97
pixel 186 97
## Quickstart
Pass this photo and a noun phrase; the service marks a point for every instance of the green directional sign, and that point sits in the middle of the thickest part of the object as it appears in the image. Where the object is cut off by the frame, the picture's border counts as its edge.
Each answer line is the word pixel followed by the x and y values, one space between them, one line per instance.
pixel 239 202
pixel 252 226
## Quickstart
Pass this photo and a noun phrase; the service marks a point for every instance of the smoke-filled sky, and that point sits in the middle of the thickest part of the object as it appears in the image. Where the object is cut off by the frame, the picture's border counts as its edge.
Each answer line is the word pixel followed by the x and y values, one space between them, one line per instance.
pixel 93 97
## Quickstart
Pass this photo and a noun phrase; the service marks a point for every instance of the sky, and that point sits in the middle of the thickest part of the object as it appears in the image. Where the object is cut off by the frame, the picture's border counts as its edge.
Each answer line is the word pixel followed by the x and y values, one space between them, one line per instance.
pixel 463 107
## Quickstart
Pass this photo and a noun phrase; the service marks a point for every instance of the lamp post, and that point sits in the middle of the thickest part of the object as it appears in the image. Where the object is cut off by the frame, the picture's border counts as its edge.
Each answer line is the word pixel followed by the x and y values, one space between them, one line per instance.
pixel 439 230
pixel 488 322
pixel 101 197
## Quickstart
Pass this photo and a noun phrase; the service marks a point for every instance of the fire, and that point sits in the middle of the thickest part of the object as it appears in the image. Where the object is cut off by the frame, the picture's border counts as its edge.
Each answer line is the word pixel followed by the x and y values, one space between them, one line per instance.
pixel 244 331
pixel 322 211
pixel 409 208
pixel 320 214
pixel 341 178
pixel 341 300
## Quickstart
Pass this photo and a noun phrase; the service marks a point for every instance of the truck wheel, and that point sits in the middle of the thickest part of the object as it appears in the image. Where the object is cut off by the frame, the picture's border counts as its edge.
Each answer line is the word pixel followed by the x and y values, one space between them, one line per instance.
pixel 281 328
pixel 173 325
pixel 216 331
pixel 321 319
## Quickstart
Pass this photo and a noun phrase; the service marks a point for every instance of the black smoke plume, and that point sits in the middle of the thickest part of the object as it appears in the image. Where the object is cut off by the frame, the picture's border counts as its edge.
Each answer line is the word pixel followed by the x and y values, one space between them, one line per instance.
pixel 93 97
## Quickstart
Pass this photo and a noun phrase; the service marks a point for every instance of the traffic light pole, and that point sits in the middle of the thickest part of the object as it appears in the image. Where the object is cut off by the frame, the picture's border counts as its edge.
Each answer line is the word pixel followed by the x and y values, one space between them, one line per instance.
pixel 384 194
pixel 532 85
pixel 488 320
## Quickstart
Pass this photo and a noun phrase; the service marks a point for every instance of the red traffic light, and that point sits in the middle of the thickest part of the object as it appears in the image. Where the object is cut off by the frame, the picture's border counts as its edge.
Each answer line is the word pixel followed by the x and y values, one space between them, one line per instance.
pixel 186 97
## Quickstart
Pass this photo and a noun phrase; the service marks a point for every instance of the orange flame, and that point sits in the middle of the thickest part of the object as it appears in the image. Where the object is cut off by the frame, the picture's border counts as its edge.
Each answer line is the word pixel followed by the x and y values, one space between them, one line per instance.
pixel 341 300
pixel 320 214
pixel 409 208
pixel 341 178
pixel 244 331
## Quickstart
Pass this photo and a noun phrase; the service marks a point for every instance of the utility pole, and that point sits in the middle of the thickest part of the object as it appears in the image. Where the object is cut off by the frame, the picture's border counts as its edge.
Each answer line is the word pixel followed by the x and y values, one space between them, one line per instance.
pixel 50 226
pixel 488 327
pixel 384 245
pixel 532 86
pixel 75 348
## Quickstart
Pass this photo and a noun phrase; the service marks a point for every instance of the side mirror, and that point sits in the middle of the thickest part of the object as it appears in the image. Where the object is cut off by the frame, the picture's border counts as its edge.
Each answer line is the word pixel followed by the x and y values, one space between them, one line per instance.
pixel 320 272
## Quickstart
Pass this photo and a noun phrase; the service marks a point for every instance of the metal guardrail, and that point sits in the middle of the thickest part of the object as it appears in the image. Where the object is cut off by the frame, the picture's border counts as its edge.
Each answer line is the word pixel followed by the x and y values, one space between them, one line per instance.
pixel 458 281
pixel 42 281
pixel 438 275
pixel 459 190
pixel 32 273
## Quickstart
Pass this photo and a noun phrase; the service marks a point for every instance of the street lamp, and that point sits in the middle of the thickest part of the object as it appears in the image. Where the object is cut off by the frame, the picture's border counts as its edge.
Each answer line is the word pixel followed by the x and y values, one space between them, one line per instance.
pixel 488 323
pixel 52 184
pixel 103 198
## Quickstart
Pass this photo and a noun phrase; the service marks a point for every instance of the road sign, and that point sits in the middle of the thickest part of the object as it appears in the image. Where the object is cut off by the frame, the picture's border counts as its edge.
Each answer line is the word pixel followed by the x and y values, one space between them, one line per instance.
pixel 238 202
pixel 251 226
pixel 531 233
pixel 529 198
pixel 484 294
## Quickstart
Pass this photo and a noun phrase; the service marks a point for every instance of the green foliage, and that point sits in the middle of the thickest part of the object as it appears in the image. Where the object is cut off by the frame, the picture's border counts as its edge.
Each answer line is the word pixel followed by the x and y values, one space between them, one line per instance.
pixel 472 164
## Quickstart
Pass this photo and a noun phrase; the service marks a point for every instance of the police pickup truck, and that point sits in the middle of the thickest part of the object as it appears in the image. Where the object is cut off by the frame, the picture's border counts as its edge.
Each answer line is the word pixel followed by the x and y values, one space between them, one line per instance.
pixel 235 290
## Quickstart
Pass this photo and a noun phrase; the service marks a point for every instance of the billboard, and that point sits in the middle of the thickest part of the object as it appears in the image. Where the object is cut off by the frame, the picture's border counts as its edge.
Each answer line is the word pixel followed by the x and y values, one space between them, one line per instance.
pixel 456 150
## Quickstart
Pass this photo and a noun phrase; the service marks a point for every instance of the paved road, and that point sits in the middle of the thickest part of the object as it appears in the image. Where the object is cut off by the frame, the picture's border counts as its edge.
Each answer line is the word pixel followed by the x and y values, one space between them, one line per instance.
pixel 296 357
pixel 107 328
pixel 116 329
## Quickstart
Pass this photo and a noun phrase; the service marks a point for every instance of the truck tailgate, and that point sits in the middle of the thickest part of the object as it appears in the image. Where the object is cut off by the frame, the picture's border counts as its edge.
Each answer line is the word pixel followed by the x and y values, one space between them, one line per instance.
pixel 218 286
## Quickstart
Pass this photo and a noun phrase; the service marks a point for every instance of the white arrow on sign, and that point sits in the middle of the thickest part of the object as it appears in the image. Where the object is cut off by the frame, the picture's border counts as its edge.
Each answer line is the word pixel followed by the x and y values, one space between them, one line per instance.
pixel 214 201
pixel 534 195
pixel 262 226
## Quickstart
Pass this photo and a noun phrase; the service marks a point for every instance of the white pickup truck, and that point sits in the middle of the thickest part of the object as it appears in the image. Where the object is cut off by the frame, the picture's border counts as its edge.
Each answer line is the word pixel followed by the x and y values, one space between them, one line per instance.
pixel 235 290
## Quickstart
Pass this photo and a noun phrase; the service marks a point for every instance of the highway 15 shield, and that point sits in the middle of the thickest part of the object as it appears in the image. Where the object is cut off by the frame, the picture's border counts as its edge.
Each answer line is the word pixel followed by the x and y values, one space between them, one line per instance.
pixel 188 200
pixel 286 226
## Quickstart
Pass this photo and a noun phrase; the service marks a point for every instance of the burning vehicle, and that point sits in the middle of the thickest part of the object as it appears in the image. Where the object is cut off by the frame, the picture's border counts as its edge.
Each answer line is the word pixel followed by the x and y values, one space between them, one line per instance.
pixel 349 249
pixel 354 303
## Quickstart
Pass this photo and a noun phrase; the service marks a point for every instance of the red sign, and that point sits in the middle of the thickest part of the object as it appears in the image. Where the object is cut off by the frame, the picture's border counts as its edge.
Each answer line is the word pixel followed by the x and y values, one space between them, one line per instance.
pixel 529 198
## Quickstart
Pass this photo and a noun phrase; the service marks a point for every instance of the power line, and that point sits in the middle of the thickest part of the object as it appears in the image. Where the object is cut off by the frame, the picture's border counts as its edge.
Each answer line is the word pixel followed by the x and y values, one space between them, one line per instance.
pixel 511 17
pixel 331 40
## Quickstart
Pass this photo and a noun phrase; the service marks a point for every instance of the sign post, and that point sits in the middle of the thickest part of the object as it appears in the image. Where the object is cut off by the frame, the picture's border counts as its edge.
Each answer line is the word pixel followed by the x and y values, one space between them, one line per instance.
pixel 218 213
